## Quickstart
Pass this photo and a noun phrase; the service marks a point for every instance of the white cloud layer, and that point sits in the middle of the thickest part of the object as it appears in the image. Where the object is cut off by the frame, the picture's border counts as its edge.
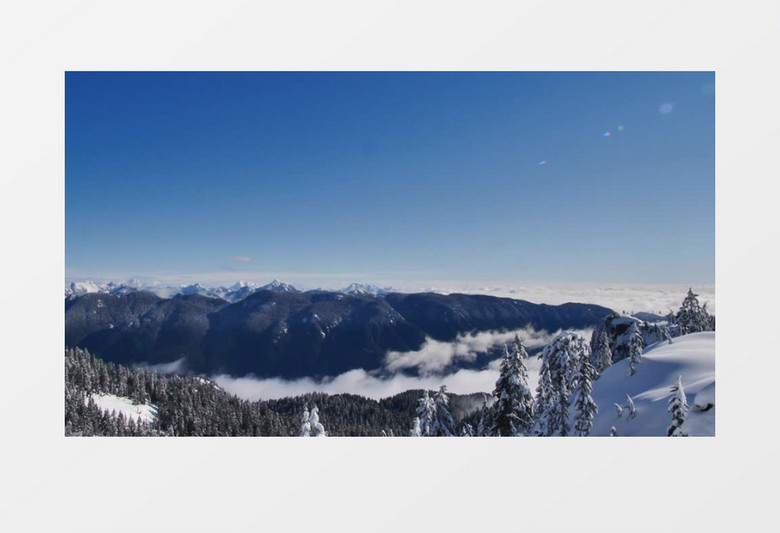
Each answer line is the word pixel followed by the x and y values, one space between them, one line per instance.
pixel 360 382
pixel 435 356
pixel 432 355
pixel 619 297
pixel 630 298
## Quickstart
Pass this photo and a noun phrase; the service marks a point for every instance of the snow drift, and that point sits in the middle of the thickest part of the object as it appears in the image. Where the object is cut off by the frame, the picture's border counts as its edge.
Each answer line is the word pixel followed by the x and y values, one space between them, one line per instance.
pixel 690 356
pixel 145 412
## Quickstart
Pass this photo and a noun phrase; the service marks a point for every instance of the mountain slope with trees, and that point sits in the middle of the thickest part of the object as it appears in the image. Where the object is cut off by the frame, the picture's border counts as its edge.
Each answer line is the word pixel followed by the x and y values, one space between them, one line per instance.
pixel 290 334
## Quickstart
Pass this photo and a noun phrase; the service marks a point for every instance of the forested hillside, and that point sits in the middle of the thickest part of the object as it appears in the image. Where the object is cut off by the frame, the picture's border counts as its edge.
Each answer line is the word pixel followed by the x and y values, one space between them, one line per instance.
pixel 194 406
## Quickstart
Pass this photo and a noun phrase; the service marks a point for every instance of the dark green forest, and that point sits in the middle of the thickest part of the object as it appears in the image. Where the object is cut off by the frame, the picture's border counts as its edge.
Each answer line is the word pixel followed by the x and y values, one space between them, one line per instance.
pixel 195 406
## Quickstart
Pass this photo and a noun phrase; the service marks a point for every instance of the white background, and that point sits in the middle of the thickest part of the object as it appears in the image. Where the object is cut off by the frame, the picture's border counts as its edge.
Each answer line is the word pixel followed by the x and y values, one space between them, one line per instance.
pixel 725 483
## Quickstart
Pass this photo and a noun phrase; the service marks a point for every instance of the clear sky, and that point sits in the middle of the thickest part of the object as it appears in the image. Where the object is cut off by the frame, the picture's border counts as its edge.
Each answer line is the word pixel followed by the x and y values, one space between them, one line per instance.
pixel 383 176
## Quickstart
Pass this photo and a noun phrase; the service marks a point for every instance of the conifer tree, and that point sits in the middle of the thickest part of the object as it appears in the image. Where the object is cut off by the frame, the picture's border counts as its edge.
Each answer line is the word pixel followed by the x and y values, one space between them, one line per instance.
pixel 636 345
pixel 443 424
pixel 317 430
pixel 692 317
pixel 560 361
pixel 602 354
pixel 305 423
pixel 631 407
pixel 485 418
pixel 678 406
pixel 416 430
pixel 584 405
pixel 514 411
pixel 542 400
pixel 426 412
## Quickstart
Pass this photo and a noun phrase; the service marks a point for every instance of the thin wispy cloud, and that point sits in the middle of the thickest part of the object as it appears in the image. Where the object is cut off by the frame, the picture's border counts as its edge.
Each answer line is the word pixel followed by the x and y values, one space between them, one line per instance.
pixel 240 259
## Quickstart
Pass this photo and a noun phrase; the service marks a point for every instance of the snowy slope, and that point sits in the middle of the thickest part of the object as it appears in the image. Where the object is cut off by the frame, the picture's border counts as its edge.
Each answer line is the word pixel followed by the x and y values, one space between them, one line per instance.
pixel 691 356
pixel 108 402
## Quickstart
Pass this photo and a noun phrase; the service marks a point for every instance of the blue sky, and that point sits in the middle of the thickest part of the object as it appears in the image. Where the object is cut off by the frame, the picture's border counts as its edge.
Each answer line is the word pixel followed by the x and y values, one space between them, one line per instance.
pixel 328 178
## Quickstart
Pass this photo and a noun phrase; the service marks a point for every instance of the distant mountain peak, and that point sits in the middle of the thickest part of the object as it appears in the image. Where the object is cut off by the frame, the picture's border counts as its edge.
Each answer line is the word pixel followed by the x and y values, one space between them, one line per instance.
pixel 238 291
pixel 241 284
pixel 277 285
pixel 365 288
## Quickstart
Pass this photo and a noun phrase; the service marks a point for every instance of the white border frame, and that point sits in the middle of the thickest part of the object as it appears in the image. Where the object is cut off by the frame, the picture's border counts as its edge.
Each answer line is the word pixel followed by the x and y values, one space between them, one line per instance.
pixel 724 483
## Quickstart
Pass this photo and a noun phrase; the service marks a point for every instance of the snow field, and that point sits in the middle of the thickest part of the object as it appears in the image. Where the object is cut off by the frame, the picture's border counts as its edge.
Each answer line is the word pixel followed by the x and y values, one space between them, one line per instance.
pixel 690 356
pixel 146 413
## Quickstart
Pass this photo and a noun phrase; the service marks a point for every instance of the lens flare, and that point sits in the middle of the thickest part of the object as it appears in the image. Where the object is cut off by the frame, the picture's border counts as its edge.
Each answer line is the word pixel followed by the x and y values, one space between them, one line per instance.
pixel 541 163
pixel 620 128
pixel 606 134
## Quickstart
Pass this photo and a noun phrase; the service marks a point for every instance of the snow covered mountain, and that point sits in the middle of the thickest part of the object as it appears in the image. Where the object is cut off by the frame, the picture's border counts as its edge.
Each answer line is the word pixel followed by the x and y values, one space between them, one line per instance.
pixel 235 293
pixel 690 356
pixel 361 288
pixel 278 286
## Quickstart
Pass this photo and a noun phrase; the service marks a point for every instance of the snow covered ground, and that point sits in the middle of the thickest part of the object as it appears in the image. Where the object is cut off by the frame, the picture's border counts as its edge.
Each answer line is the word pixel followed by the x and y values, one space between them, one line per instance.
pixel 108 402
pixel 692 357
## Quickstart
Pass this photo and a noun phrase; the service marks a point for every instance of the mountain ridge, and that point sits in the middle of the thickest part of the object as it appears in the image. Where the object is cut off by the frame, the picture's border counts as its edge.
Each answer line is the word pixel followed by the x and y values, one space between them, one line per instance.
pixel 294 334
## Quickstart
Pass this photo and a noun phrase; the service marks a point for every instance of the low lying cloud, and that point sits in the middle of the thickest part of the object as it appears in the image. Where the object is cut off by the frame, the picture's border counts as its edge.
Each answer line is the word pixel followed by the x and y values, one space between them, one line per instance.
pixel 357 382
pixel 430 362
pixel 361 382
pixel 174 367
pixel 435 356
pixel 432 356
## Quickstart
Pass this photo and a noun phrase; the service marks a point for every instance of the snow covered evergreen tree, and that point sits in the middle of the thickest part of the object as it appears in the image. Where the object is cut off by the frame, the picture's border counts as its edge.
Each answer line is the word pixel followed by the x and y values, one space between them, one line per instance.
pixel 542 400
pixel 467 431
pixel 602 354
pixel 426 412
pixel 692 317
pixel 630 406
pixel 514 408
pixel 678 406
pixel 317 430
pixel 443 424
pixel 305 423
pixel 636 346
pixel 485 419
pixel 557 381
pixel 584 405
pixel 416 430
